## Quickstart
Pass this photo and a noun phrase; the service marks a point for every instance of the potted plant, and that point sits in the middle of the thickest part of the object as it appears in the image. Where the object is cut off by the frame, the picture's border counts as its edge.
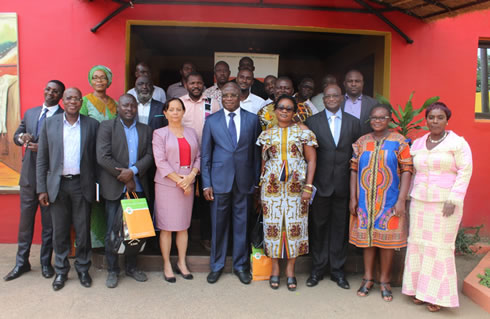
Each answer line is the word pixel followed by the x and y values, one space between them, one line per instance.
pixel 404 120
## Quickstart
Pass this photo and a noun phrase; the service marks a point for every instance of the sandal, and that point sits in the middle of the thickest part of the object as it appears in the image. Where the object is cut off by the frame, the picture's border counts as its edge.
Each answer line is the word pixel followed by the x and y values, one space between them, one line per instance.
pixel 433 308
pixel 364 289
pixel 274 282
pixel 292 283
pixel 417 301
pixel 386 293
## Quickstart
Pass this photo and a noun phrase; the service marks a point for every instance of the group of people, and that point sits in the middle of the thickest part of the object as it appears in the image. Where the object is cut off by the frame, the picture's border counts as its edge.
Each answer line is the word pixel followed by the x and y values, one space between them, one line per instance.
pixel 323 173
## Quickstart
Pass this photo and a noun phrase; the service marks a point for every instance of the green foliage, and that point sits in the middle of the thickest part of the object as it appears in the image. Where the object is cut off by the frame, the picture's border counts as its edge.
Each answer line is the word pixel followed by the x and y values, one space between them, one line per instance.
pixel 403 120
pixel 478 72
pixel 464 239
pixel 485 278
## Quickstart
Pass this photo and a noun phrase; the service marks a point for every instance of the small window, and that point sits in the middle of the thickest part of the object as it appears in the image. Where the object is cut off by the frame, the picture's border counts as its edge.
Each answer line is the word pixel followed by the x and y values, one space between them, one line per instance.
pixel 482 109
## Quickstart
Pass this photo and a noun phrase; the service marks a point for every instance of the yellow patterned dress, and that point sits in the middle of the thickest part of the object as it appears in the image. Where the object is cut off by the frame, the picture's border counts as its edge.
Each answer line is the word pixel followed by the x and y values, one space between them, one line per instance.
pixel 282 180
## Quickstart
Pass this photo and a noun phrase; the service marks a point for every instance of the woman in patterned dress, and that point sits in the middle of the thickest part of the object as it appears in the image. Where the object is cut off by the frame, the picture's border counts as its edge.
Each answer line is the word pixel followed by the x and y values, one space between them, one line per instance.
pixel 288 168
pixel 381 168
pixel 443 167
pixel 98 105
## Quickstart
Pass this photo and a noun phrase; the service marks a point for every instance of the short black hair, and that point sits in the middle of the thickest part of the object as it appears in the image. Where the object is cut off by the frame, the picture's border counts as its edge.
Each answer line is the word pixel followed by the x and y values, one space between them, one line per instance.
pixel 194 73
pixel 166 105
pixel 59 83
pixel 287 97
pixel 382 106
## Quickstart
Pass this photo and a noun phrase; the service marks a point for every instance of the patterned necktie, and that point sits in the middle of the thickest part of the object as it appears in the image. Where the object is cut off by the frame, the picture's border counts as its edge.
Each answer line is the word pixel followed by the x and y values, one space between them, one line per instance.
pixel 232 129
pixel 40 122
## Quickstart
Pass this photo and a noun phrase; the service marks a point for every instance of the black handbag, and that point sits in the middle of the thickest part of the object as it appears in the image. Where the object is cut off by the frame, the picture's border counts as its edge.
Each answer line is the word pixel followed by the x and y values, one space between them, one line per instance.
pixel 117 244
pixel 257 234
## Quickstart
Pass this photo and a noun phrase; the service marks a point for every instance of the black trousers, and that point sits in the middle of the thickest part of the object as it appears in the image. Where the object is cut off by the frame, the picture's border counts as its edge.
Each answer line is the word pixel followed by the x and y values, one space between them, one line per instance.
pixel 70 207
pixel 111 211
pixel 202 209
pixel 28 208
pixel 328 224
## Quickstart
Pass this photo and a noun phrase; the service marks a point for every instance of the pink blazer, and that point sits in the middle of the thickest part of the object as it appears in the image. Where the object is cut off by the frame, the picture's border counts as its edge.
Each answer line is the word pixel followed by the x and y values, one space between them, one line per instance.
pixel 167 157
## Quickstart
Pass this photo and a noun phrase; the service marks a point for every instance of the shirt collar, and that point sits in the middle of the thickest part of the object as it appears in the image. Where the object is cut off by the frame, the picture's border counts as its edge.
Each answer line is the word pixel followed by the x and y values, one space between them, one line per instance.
pixel 359 98
pixel 51 108
pixel 237 111
pixel 68 123
pixel 132 125
pixel 145 104
pixel 329 114
pixel 187 97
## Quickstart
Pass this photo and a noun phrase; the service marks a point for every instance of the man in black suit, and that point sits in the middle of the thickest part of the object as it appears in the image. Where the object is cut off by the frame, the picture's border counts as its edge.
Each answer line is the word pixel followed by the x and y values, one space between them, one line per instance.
pixel 356 103
pixel 124 152
pixel 335 131
pixel 27 135
pixel 149 110
pixel 66 167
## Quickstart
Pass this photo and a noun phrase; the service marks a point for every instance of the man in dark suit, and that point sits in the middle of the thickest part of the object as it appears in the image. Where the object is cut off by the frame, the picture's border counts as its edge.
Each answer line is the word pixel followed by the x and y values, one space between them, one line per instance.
pixel 124 152
pixel 27 135
pixel 335 131
pixel 230 170
pixel 355 102
pixel 149 110
pixel 66 167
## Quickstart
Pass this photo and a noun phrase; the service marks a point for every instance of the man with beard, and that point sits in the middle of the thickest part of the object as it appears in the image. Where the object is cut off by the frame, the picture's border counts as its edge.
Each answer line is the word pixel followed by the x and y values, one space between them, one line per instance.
pixel 305 91
pixel 150 111
pixel 269 84
pixel 355 103
pixel 221 75
pixel 124 152
pixel 248 101
pixel 257 86
pixel 197 109
pixel 179 89
pixel 142 69
pixel 27 135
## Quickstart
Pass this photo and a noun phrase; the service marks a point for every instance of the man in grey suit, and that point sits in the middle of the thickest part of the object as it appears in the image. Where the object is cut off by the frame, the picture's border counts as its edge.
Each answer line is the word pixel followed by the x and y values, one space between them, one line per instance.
pixel 124 152
pixel 27 135
pixel 66 167
pixel 335 131
pixel 355 102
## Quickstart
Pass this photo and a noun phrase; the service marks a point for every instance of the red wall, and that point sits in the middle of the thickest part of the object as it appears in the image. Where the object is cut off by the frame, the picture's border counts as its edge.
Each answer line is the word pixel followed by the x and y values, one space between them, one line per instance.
pixel 55 42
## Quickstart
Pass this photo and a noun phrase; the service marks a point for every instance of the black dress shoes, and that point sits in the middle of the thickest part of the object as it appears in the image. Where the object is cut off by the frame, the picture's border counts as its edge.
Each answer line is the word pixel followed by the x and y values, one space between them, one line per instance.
pixel 244 276
pixel 313 280
pixel 47 271
pixel 188 276
pixel 214 276
pixel 17 272
pixel 59 282
pixel 85 279
pixel 341 282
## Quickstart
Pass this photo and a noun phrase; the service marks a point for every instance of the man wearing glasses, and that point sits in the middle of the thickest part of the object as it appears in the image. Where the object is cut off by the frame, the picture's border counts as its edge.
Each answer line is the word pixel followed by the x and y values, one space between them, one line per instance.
pixel 355 102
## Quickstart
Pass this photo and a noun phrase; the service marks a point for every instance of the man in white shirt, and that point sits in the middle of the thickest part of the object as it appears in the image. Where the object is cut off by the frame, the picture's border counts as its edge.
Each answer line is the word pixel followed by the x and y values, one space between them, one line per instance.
pixel 65 180
pixel 142 69
pixel 27 135
pixel 248 101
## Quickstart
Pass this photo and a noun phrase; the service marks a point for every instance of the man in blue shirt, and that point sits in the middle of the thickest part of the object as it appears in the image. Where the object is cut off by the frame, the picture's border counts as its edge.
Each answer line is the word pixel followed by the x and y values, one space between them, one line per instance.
pixel 124 152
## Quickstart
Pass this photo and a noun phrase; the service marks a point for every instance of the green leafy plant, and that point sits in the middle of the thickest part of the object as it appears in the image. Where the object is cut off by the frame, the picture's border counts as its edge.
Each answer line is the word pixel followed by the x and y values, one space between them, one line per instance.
pixel 485 278
pixel 404 118
pixel 466 237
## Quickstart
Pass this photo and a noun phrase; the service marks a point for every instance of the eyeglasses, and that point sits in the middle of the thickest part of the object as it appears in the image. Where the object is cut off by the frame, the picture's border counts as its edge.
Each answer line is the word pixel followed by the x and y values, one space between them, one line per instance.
pixel 379 118
pixel 332 96
pixel 99 78
pixel 229 96
pixel 72 98
pixel 283 108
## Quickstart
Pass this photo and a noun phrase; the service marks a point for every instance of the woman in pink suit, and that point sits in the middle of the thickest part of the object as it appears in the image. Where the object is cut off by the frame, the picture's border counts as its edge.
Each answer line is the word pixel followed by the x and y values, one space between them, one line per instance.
pixel 177 158
pixel 443 167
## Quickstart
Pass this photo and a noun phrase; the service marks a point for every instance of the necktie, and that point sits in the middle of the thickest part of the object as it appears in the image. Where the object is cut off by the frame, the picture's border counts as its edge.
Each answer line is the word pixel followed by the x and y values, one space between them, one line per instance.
pixel 332 127
pixel 40 122
pixel 232 129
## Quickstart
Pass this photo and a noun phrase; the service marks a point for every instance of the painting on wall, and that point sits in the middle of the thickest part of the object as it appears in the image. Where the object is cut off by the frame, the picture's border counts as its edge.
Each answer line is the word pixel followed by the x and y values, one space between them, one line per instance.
pixel 10 154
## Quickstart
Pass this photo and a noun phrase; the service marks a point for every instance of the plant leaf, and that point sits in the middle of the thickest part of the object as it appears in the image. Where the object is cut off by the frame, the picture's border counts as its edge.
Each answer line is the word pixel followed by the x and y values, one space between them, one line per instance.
pixel 381 99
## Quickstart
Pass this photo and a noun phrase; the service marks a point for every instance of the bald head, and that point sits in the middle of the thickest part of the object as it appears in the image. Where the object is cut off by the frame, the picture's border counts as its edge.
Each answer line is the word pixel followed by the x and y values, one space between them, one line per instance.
pixel 332 97
pixel 127 108
pixel 144 89
pixel 72 101
pixel 230 96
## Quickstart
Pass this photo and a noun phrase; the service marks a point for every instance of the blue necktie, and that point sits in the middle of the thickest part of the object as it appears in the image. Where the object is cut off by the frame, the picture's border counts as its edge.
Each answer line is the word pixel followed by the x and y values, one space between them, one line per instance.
pixel 232 129
pixel 40 122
